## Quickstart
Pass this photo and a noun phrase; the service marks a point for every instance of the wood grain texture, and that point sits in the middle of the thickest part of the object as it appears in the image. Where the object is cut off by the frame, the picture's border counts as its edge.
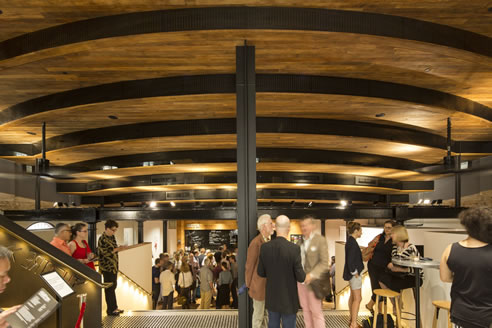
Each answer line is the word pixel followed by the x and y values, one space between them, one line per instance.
pixel 299 52
pixel 31 15
pixel 363 109
pixel 233 186
pixel 226 141
pixel 269 166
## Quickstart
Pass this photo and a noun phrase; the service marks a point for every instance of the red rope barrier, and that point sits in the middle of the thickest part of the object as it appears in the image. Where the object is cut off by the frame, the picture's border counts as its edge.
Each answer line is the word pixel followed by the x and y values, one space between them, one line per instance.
pixel 81 315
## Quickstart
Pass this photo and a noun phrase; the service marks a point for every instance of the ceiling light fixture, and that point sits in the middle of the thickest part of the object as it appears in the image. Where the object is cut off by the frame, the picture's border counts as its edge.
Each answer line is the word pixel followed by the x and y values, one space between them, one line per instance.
pixel 380 114
pixel 427 69
pixel 171 163
pixel 113 117
pixel 427 201
pixel 420 201
pixel 343 203
pixel 31 133
pixel 153 204
pixel 310 204
pixel 173 204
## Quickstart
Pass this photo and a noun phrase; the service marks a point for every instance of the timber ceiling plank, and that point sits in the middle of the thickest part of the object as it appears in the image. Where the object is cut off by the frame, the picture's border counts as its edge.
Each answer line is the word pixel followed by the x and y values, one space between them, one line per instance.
pixel 289 52
pixel 31 15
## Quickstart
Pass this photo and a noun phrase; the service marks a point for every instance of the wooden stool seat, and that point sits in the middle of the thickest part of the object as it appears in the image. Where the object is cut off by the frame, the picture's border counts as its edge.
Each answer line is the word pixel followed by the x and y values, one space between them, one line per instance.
pixel 445 305
pixel 387 293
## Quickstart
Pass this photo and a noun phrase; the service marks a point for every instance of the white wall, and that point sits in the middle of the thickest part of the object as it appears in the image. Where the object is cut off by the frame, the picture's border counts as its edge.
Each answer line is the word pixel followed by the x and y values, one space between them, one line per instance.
pixel 172 240
pixel 120 239
pixel 153 231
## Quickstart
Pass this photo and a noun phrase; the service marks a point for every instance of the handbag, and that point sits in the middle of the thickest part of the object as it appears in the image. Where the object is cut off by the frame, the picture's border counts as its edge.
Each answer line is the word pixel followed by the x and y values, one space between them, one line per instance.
pixel 368 252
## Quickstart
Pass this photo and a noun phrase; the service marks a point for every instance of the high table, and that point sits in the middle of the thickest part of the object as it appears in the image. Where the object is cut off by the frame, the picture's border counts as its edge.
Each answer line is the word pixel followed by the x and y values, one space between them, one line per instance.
pixel 418 265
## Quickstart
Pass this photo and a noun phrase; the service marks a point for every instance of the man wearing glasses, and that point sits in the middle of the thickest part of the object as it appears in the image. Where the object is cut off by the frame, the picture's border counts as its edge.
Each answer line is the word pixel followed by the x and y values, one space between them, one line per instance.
pixel 62 236
pixel 108 264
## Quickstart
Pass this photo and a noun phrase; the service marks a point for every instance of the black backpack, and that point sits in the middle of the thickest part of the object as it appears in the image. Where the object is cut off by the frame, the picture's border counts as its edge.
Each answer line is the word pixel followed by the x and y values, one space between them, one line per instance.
pixel 369 323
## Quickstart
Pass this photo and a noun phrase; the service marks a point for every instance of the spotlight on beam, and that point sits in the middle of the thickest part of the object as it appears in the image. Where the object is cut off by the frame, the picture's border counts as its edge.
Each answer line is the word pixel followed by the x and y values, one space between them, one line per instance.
pixel 343 203
pixel 173 204
pixel 310 204
pixel 153 204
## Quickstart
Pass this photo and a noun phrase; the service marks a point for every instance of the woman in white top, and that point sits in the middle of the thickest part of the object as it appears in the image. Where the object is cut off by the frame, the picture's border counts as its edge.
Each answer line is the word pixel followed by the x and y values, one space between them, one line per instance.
pixel 185 280
pixel 167 285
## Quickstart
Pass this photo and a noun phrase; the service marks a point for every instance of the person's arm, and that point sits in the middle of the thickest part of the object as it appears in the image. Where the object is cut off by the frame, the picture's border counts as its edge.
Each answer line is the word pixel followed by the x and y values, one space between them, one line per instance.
pixel 350 256
pixel 298 270
pixel 444 271
pixel 261 271
pixel 156 279
pixel 5 314
pixel 323 264
pixel 251 260
pixel 72 247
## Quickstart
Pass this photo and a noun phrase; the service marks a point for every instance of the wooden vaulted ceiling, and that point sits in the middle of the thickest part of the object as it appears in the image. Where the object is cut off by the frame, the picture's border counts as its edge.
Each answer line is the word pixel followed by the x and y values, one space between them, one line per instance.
pixel 381 78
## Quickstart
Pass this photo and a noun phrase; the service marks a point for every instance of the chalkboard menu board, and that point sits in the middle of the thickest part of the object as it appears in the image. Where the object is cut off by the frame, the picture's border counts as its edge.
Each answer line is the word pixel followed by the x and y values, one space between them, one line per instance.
pixel 211 239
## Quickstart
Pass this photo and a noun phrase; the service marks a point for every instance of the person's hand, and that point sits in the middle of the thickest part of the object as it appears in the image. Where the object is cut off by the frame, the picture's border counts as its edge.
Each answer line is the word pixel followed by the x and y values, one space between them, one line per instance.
pixel 356 275
pixel 308 279
pixel 90 256
pixel 6 313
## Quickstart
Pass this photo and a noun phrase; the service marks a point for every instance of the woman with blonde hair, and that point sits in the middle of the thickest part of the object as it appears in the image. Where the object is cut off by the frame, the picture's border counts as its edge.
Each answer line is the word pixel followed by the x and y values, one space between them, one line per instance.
pixel 397 278
pixel 185 281
pixel 353 270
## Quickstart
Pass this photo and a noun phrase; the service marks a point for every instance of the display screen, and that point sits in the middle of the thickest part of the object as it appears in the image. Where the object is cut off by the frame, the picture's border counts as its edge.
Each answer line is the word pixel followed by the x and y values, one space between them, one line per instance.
pixel 58 284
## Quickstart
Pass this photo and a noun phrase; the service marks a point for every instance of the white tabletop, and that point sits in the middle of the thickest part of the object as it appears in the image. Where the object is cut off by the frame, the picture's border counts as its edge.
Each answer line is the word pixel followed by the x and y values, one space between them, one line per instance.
pixel 421 264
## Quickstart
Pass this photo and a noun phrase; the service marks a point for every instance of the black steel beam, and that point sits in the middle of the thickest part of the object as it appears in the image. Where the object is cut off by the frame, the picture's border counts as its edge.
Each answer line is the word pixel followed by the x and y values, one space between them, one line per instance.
pixel 220 195
pixel 288 155
pixel 400 213
pixel 55 214
pixel 264 125
pixel 224 83
pixel 231 177
pixel 226 18
pixel 246 166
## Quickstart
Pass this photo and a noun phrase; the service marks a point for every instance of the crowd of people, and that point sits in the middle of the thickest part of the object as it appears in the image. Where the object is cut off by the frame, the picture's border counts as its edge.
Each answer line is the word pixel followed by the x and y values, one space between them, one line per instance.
pixel 282 277
pixel 183 277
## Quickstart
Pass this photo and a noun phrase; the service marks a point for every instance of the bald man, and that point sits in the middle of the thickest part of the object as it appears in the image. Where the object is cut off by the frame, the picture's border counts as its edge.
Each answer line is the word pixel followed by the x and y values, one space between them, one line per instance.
pixel 280 263
pixel 256 284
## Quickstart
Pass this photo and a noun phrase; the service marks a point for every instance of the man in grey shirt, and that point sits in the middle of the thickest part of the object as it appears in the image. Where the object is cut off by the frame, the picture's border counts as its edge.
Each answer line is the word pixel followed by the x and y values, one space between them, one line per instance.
pixel 206 284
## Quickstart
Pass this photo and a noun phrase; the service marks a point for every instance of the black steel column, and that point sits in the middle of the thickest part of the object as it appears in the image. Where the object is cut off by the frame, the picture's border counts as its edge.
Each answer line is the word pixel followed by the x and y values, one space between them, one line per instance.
pixel 246 166
pixel 323 227
pixel 457 182
pixel 140 229
pixel 164 236
pixel 92 230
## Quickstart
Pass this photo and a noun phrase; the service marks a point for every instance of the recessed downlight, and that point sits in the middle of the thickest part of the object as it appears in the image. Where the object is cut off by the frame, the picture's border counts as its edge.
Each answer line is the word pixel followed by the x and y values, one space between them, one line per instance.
pixel 113 117
pixel 427 69
pixel 31 133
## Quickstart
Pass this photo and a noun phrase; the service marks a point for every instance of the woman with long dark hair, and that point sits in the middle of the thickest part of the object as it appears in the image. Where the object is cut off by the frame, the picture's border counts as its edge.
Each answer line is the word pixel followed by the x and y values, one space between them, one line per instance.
pixel 78 246
pixel 379 256
pixel 468 266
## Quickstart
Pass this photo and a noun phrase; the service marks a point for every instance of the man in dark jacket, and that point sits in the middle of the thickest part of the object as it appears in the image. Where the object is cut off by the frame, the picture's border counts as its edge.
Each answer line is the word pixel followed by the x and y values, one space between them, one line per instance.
pixel 280 263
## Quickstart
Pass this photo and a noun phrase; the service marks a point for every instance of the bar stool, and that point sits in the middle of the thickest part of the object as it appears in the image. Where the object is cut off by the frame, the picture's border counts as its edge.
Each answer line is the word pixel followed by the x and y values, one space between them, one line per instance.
pixel 445 305
pixel 387 293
